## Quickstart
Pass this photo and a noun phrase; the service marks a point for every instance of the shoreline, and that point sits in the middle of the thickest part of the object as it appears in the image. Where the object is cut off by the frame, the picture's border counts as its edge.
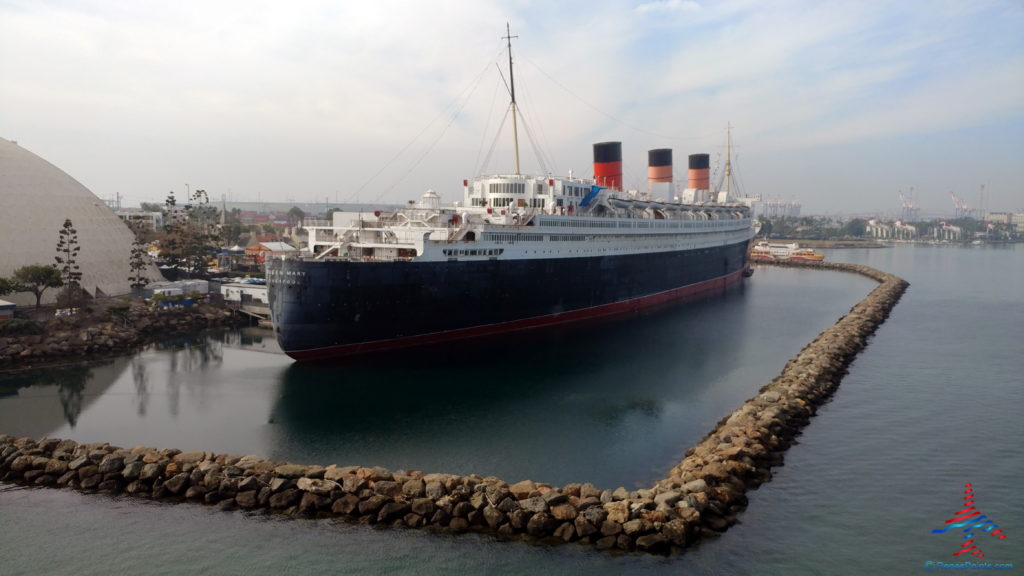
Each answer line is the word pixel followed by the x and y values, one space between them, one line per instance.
pixel 826 244
pixel 95 337
pixel 699 498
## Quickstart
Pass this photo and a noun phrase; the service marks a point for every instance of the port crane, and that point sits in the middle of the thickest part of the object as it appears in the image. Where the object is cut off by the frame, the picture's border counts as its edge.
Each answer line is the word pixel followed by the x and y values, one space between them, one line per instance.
pixel 910 207
pixel 962 210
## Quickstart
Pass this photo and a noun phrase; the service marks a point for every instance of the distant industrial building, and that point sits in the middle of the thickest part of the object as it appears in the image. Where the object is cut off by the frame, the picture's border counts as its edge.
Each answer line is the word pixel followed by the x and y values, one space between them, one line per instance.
pixel 145 220
pixel 948 232
pixel 898 230
pixel 1015 220
pixel 777 208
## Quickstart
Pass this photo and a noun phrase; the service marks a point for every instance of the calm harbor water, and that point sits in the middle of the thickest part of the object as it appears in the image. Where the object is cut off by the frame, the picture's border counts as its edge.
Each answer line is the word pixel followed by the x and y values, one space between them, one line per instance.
pixel 933 403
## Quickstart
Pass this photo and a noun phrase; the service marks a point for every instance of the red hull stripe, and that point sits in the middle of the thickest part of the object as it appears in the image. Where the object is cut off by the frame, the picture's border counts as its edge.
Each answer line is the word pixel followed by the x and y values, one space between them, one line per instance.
pixel 678 294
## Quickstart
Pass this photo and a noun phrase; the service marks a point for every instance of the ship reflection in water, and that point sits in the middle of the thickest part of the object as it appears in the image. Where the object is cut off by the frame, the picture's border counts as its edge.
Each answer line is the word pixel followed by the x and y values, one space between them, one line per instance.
pixel 572 404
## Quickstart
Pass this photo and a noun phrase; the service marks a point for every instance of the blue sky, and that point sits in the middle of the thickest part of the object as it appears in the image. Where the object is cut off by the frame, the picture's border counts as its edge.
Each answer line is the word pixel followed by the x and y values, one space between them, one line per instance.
pixel 838 105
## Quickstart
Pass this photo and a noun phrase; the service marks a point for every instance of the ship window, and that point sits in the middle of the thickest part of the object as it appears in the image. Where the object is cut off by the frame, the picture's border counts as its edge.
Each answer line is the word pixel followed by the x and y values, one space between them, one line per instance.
pixel 508 188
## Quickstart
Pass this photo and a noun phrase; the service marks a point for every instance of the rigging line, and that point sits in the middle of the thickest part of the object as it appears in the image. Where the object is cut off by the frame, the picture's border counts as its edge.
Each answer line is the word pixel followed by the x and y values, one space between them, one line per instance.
pixel 494 143
pixel 502 75
pixel 483 136
pixel 433 144
pixel 510 108
pixel 415 138
pixel 533 144
pixel 543 156
pixel 455 113
pixel 518 109
pixel 739 178
pixel 611 117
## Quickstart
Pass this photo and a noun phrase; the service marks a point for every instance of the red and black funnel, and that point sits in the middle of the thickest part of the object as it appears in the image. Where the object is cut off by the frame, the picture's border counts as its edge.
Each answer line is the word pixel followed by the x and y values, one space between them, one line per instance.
pixel 659 165
pixel 608 164
pixel 699 165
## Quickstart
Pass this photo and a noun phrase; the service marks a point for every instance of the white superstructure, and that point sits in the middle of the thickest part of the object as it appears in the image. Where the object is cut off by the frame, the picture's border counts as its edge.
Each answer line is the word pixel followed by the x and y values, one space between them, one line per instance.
pixel 515 217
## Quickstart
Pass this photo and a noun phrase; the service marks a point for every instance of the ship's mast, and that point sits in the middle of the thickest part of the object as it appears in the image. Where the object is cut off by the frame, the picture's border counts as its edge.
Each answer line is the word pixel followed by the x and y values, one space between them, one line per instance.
pixel 512 89
pixel 728 161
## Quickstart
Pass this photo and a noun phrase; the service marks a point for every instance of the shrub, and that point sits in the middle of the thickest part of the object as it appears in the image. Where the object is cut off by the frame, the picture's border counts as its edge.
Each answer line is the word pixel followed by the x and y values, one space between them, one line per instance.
pixel 20 327
pixel 119 313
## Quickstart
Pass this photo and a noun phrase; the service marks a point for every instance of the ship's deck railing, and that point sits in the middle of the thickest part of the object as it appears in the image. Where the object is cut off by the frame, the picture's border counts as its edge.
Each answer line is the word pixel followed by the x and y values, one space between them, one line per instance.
pixel 366 259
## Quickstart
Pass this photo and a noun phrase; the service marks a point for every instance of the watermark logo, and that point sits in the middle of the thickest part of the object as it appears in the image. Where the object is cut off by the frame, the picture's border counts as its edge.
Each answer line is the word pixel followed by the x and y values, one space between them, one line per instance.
pixel 970 519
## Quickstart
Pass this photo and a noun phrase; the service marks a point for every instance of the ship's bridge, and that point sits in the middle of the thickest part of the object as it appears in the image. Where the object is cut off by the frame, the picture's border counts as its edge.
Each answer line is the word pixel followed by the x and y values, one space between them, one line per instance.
pixel 522 191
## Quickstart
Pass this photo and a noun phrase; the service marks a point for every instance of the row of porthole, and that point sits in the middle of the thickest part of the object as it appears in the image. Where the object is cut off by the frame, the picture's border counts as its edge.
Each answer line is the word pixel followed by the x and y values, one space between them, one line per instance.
pixel 473 252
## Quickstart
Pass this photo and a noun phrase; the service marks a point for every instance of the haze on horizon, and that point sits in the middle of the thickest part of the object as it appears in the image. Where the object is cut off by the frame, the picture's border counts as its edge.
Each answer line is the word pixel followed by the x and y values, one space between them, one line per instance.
pixel 838 105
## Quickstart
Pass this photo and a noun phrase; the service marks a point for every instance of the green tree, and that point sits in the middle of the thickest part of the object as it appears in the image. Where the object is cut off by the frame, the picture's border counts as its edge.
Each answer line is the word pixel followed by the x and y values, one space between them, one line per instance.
pixel 296 217
pixel 232 232
pixel 232 229
pixel 190 233
pixel 137 264
pixel 36 278
pixel 151 207
pixel 67 260
pixel 171 242
pixel 6 287
pixel 203 238
pixel 856 228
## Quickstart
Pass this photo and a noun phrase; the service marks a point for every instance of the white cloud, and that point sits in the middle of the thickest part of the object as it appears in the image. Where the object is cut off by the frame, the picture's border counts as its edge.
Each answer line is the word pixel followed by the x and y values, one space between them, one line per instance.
pixel 669 6
pixel 316 97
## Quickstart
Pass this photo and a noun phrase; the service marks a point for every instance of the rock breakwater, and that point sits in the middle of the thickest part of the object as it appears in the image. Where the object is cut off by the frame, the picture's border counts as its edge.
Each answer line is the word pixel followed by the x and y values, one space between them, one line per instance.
pixel 87 337
pixel 700 497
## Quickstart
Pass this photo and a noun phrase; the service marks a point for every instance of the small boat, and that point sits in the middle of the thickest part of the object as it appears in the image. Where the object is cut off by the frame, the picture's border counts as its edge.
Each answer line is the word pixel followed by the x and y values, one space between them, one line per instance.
pixel 793 251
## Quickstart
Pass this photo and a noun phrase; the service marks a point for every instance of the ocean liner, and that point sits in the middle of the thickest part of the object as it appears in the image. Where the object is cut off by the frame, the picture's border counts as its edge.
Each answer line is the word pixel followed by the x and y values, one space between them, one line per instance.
pixel 519 252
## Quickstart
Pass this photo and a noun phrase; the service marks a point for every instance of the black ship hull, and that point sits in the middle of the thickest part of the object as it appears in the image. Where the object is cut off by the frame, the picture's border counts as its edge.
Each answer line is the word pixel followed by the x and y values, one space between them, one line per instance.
pixel 325 309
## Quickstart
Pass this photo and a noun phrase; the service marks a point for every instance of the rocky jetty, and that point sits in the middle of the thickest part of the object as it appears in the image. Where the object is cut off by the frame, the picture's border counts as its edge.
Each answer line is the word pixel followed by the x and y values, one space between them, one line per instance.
pixel 87 337
pixel 701 496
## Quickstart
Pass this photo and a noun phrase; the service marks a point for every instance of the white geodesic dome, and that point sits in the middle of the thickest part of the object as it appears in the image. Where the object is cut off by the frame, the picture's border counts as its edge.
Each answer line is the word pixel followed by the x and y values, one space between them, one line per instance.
pixel 35 199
